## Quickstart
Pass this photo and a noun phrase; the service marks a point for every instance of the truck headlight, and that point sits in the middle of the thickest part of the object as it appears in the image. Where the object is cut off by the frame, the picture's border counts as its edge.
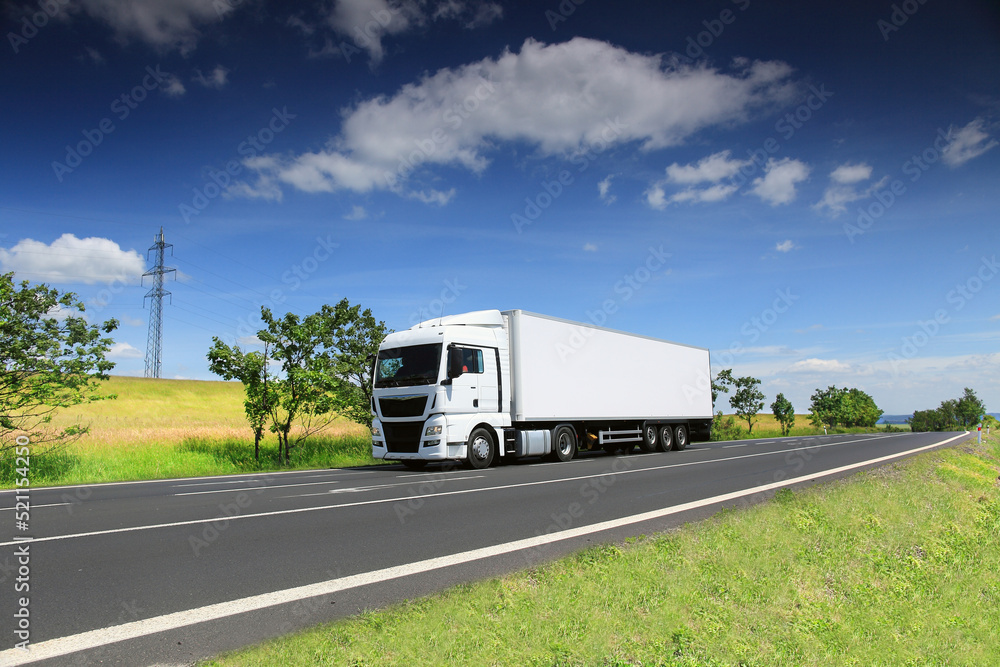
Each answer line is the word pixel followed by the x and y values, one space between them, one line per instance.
pixel 433 430
pixel 375 432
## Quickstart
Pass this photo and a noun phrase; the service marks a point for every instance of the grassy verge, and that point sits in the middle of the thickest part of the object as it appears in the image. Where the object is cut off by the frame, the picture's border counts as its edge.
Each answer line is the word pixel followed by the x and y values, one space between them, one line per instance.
pixel 177 428
pixel 899 565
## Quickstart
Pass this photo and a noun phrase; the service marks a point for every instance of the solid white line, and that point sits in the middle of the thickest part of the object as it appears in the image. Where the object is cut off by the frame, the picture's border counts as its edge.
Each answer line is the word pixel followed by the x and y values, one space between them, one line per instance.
pixel 54 648
pixel 262 487
pixel 34 507
pixel 339 471
pixel 359 503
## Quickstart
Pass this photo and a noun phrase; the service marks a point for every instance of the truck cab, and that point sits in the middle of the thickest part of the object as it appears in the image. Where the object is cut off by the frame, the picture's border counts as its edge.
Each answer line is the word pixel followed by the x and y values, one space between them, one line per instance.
pixel 437 383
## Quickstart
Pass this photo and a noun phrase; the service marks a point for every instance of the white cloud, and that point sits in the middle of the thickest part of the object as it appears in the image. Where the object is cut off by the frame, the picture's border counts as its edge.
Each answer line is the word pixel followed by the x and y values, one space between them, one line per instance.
pixel 710 169
pixel 164 24
pixel 72 260
pixel 357 213
pixel 777 186
pixel 561 99
pixel 173 86
pixel 124 351
pixel 785 246
pixel 131 321
pixel 843 188
pixel 604 190
pixel 851 173
pixel 590 247
pixel 967 143
pixel 249 341
pixel 363 24
pixel 711 194
pixel 217 78
pixel 819 366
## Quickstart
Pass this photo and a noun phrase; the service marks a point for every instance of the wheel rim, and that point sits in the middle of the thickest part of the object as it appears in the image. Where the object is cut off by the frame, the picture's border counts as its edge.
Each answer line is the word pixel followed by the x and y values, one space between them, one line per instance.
pixel 481 448
pixel 565 443
pixel 682 437
pixel 651 435
pixel 667 442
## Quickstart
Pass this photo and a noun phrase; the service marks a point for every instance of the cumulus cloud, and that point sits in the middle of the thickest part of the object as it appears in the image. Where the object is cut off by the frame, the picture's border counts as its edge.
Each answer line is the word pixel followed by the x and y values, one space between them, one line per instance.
pixel 844 187
pixel 217 78
pixel 711 169
pixel 164 24
pixel 357 213
pixel 173 86
pixel 967 143
pixel 819 366
pixel 70 260
pixel 362 25
pixel 851 173
pixel 777 186
pixel 124 351
pixel 590 247
pixel 604 190
pixel 785 246
pixel 560 99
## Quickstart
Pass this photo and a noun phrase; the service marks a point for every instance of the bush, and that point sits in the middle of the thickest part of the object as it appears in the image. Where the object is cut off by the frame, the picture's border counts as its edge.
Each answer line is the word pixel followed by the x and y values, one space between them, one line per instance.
pixel 725 428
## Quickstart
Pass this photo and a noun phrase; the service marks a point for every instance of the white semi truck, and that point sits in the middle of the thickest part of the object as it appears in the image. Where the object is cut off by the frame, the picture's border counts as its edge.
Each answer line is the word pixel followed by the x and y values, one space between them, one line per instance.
pixel 487 385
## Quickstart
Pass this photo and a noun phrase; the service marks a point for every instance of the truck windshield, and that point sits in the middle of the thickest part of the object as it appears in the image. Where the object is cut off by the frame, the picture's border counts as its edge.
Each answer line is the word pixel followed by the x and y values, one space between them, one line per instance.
pixel 408 366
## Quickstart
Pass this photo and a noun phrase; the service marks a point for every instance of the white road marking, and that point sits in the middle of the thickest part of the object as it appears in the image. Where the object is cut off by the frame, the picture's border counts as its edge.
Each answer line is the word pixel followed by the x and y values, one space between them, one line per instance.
pixel 731 446
pixel 34 507
pixel 260 487
pixel 54 648
pixel 359 503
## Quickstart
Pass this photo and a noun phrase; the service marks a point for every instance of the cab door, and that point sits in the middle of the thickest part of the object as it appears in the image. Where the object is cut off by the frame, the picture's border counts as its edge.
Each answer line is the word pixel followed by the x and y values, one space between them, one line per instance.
pixel 489 382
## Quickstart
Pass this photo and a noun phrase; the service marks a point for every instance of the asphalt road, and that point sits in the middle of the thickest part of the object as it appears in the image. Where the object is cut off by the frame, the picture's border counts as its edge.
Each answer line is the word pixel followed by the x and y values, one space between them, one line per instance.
pixel 167 572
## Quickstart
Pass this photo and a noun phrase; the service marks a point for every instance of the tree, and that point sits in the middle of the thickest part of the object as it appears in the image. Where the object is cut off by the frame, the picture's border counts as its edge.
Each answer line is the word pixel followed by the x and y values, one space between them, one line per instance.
pixel 721 383
pixel 843 407
pixel 784 413
pixel 250 368
pixel 355 338
pixel 951 415
pixel 747 400
pixel 50 358
pixel 969 410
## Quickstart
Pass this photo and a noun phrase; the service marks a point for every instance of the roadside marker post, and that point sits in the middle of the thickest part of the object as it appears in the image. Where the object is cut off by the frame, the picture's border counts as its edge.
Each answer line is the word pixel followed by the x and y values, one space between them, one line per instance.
pixel 979 434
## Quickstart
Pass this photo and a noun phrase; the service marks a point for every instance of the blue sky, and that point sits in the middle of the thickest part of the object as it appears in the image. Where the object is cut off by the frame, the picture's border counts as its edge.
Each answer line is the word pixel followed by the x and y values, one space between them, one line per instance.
pixel 808 190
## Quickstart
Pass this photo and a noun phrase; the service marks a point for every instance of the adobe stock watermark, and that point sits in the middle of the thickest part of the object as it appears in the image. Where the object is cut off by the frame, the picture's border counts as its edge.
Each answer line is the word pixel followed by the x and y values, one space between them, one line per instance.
pixel 436 307
pixel 626 288
pixel 35 21
pixel 404 509
pixel 370 32
pixel 211 530
pixel 293 277
pixel 551 190
pixel 886 197
pixel 898 17
pixel 219 180
pixel 452 118
pixel 786 126
pixel 714 28
pixel 122 107
pixel 958 297
pixel 589 493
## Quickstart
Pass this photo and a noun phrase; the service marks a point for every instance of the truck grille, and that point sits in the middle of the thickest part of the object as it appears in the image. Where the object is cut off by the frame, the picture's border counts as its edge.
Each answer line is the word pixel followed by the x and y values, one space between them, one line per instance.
pixel 402 437
pixel 403 406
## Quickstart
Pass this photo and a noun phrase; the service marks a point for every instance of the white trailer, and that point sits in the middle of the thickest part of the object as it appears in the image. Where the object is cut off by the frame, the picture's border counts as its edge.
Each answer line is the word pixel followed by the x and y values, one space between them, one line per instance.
pixel 486 385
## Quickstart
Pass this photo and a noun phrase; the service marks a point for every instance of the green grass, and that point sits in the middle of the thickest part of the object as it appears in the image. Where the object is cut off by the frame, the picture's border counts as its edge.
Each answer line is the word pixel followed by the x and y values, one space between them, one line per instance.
pixel 896 566
pixel 156 429
pixel 766 426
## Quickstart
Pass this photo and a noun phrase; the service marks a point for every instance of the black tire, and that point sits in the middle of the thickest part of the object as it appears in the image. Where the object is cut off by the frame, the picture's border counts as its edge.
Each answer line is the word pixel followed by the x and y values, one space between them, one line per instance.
pixel 666 442
pixel 649 438
pixel 414 464
pixel 680 437
pixel 563 443
pixel 481 449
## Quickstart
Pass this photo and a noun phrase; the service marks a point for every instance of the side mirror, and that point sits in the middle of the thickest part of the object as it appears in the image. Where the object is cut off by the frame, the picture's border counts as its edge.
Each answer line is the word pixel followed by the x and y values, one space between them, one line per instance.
pixel 454 362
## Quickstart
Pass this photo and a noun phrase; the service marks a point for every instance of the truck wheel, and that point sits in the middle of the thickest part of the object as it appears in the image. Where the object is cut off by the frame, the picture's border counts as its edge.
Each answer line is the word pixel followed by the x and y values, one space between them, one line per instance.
pixel 414 464
pixel 564 443
pixel 481 449
pixel 680 437
pixel 666 438
pixel 648 438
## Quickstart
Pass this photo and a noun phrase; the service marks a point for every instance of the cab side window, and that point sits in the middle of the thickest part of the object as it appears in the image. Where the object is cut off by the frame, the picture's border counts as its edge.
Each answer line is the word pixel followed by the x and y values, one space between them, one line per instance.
pixel 472 361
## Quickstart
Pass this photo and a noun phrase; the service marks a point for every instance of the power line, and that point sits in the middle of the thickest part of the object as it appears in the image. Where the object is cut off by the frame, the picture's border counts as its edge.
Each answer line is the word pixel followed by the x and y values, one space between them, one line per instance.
pixel 154 340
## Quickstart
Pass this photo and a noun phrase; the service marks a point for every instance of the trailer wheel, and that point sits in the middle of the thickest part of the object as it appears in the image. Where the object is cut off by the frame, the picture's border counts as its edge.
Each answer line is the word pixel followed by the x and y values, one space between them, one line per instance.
pixel 481 449
pixel 414 464
pixel 666 438
pixel 564 443
pixel 648 438
pixel 680 437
